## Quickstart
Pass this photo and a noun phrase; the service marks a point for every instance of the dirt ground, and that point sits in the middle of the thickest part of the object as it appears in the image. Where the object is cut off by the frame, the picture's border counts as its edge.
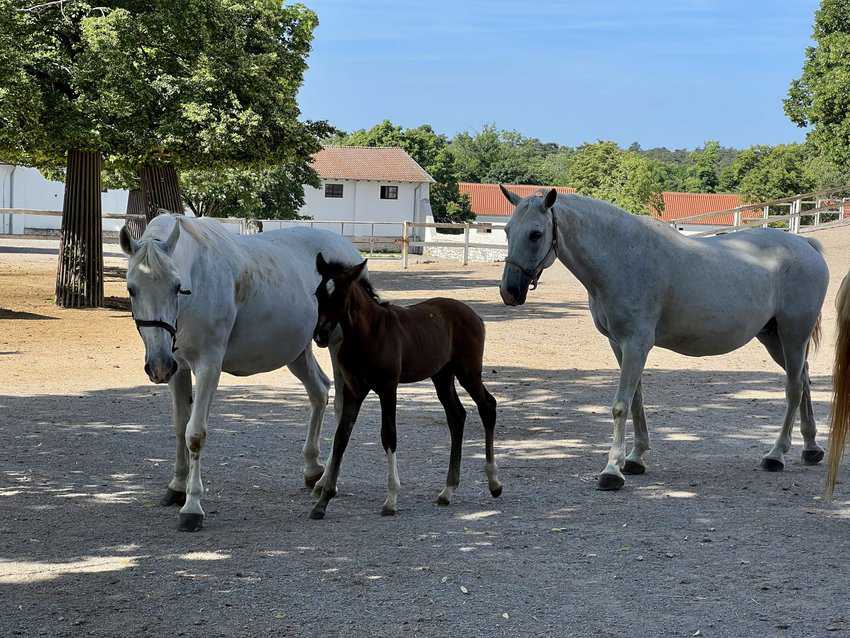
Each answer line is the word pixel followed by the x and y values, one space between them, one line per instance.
pixel 704 544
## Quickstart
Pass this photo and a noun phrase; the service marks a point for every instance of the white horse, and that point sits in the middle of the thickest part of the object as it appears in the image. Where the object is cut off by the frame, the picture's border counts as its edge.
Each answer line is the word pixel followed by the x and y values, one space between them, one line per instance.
pixel 206 300
pixel 648 285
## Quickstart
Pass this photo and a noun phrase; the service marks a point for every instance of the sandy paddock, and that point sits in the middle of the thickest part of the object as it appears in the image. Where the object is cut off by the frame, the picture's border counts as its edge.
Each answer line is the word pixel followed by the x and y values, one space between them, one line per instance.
pixel 704 542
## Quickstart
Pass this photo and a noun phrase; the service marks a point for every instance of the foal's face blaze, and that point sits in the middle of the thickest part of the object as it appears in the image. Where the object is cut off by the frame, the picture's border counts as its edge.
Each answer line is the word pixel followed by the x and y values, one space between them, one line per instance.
pixel 529 232
pixel 332 293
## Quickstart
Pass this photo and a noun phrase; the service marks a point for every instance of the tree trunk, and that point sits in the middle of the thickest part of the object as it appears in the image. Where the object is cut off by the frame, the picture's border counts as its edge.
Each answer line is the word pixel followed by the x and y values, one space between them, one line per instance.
pixel 136 206
pixel 160 189
pixel 79 278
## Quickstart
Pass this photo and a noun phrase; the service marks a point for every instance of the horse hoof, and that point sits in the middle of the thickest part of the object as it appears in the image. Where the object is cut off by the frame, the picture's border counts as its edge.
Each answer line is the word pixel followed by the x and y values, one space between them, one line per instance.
pixel 633 467
pixel 496 492
pixel 191 522
pixel 310 481
pixel 772 465
pixel 173 497
pixel 389 511
pixel 317 514
pixel 609 482
pixel 812 457
pixel 442 500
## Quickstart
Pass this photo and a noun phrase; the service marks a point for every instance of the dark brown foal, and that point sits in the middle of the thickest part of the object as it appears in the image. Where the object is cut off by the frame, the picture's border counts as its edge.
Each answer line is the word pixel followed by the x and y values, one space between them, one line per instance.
pixel 385 345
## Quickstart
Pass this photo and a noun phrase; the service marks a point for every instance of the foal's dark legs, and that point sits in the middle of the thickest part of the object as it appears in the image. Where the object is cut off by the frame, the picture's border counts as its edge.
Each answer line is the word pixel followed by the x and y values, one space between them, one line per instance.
pixel 444 382
pixel 350 408
pixel 388 440
pixel 471 382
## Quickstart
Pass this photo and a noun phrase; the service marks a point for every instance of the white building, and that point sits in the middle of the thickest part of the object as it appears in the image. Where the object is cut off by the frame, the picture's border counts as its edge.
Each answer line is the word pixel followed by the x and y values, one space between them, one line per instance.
pixel 23 187
pixel 361 185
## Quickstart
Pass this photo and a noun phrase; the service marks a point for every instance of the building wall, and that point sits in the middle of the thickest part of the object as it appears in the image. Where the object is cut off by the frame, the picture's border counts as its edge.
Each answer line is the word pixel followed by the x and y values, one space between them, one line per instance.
pixel 361 202
pixel 25 187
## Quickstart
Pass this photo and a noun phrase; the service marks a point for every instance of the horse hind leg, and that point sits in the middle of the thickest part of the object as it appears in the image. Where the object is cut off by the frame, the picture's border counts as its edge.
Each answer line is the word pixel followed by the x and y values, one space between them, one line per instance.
pixel 812 452
pixel 792 358
pixel 486 403
pixel 444 383
pixel 306 369
pixel 634 463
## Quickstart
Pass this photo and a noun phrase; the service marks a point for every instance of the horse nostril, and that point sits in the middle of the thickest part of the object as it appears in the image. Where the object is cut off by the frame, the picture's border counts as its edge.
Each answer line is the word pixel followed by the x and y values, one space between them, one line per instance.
pixel 148 369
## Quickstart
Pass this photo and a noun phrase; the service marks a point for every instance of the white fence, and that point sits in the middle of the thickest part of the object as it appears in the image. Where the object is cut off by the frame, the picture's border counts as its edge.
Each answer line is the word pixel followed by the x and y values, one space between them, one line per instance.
pixel 481 242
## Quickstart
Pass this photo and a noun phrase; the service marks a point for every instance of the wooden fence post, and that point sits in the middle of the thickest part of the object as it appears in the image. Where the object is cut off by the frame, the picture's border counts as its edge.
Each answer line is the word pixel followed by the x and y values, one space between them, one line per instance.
pixel 466 244
pixel 405 230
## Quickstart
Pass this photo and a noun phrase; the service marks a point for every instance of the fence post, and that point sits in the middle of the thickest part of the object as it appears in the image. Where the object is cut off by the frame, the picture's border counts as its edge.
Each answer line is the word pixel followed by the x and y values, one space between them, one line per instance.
pixel 405 230
pixel 765 214
pixel 817 214
pixel 466 244
pixel 736 218
pixel 372 240
pixel 798 209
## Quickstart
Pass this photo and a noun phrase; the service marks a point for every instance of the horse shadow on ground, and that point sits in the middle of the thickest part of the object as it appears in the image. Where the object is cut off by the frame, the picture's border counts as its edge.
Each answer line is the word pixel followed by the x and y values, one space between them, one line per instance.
pixel 80 477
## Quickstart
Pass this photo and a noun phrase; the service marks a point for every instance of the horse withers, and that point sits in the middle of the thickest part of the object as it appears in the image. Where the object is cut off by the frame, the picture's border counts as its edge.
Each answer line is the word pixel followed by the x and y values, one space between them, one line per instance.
pixel 648 285
pixel 384 345
pixel 206 300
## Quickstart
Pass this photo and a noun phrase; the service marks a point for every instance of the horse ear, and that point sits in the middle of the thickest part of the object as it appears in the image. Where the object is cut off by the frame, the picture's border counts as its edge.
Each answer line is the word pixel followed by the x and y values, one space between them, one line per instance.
pixel 171 242
pixel 355 272
pixel 551 198
pixel 321 264
pixel 513 198
pixel 128 245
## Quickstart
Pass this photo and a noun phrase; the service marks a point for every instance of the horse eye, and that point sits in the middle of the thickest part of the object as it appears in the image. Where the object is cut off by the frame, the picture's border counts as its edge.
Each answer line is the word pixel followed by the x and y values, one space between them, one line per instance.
pixel 535 235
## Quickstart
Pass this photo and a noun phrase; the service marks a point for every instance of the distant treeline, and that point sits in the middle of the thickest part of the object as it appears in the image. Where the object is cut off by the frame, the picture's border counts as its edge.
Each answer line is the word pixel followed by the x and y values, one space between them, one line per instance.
pixel 632 177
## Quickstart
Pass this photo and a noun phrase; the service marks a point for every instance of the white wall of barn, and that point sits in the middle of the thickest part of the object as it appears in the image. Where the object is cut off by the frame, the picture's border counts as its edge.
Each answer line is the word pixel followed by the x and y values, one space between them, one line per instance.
pixel 361 202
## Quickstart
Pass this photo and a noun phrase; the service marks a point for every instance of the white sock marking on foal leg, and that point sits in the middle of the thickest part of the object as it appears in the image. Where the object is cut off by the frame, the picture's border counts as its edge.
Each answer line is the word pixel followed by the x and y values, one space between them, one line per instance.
pixel 393 483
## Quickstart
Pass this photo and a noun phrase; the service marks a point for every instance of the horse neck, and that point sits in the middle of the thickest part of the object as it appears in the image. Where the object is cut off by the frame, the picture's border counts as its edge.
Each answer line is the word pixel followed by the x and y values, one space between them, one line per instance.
pixel 588 240
pixel 362 313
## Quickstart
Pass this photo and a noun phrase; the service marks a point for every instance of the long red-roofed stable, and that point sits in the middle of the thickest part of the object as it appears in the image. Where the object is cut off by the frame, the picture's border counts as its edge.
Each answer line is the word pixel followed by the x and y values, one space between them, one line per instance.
pixel 487 200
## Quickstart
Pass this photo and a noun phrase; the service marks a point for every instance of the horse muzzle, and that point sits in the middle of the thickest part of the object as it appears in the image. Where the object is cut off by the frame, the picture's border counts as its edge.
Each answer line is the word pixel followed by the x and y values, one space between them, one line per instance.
pixel 161 370
pixel 514 286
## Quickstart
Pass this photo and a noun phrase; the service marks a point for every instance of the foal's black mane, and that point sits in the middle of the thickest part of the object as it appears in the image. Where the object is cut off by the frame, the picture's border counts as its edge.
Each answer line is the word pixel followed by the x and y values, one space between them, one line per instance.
pixel 367 287
pixel 363 281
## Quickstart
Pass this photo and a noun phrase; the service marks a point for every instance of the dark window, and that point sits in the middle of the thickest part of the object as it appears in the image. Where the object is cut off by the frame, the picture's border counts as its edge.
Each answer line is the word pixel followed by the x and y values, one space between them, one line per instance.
pixel 333 190
pixel 389 192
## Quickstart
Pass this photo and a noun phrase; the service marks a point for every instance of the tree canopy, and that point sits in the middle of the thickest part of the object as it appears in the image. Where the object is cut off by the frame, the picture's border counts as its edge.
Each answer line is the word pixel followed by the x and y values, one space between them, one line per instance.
pixel 197 83
pixel 820 98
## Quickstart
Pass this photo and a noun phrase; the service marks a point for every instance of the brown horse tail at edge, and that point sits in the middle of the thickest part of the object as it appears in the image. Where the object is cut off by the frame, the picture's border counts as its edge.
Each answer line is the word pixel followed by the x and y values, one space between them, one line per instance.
pixel 840 413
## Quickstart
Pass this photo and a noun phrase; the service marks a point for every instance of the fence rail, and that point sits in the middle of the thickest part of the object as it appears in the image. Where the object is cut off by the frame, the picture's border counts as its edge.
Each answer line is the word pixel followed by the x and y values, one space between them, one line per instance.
pixel 407 242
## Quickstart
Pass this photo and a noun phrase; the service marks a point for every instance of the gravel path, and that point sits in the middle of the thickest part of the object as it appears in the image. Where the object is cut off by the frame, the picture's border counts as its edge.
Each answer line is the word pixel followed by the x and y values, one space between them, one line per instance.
pixel 703 544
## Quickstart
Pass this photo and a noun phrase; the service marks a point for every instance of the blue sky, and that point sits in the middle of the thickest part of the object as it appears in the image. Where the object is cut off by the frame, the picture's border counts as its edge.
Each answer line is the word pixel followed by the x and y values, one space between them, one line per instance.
pixel 660 72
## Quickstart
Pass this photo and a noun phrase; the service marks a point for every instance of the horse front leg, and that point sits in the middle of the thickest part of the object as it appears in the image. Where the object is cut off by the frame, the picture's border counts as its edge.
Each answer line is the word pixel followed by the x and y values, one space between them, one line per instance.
pixel 634 463
pixel 181 409
pixel 388 440
pixel 634 353
pixel 207 375
pixel 350 409
pixel 306 369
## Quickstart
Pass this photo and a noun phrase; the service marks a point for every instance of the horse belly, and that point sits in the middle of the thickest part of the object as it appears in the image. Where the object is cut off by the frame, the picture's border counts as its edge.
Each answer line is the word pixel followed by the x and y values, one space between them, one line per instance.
pixel 715 335
pixel 262 344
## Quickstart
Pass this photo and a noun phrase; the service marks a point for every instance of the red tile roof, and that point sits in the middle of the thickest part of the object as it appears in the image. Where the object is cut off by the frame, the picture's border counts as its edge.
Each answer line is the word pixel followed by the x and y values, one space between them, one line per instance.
pixel 487 199
pixel 368 163
pixel 679 205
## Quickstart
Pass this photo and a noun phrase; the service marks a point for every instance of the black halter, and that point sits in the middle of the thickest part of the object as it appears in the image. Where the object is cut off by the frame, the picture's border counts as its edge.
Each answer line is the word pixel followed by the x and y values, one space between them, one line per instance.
pixel 158 323
pixel 535 273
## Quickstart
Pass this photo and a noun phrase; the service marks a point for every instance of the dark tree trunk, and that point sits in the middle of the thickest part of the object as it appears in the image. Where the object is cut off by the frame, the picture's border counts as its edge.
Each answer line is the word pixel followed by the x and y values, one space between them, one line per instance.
pixel 79 278
pixel 160 189
pixel 136 206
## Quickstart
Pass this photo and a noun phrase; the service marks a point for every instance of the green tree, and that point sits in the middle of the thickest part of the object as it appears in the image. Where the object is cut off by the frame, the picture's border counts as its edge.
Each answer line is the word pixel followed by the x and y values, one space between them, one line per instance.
pixel 778 173
pixel 154 87
pixel 275 192
pixel 431 152
pixel 703 170
pixel 820 97
pixel 625 178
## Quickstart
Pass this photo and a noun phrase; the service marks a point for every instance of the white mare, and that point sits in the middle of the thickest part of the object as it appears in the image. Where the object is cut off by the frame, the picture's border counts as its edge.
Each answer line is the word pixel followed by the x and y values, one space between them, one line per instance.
pixel 648 286
pixel 206 300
